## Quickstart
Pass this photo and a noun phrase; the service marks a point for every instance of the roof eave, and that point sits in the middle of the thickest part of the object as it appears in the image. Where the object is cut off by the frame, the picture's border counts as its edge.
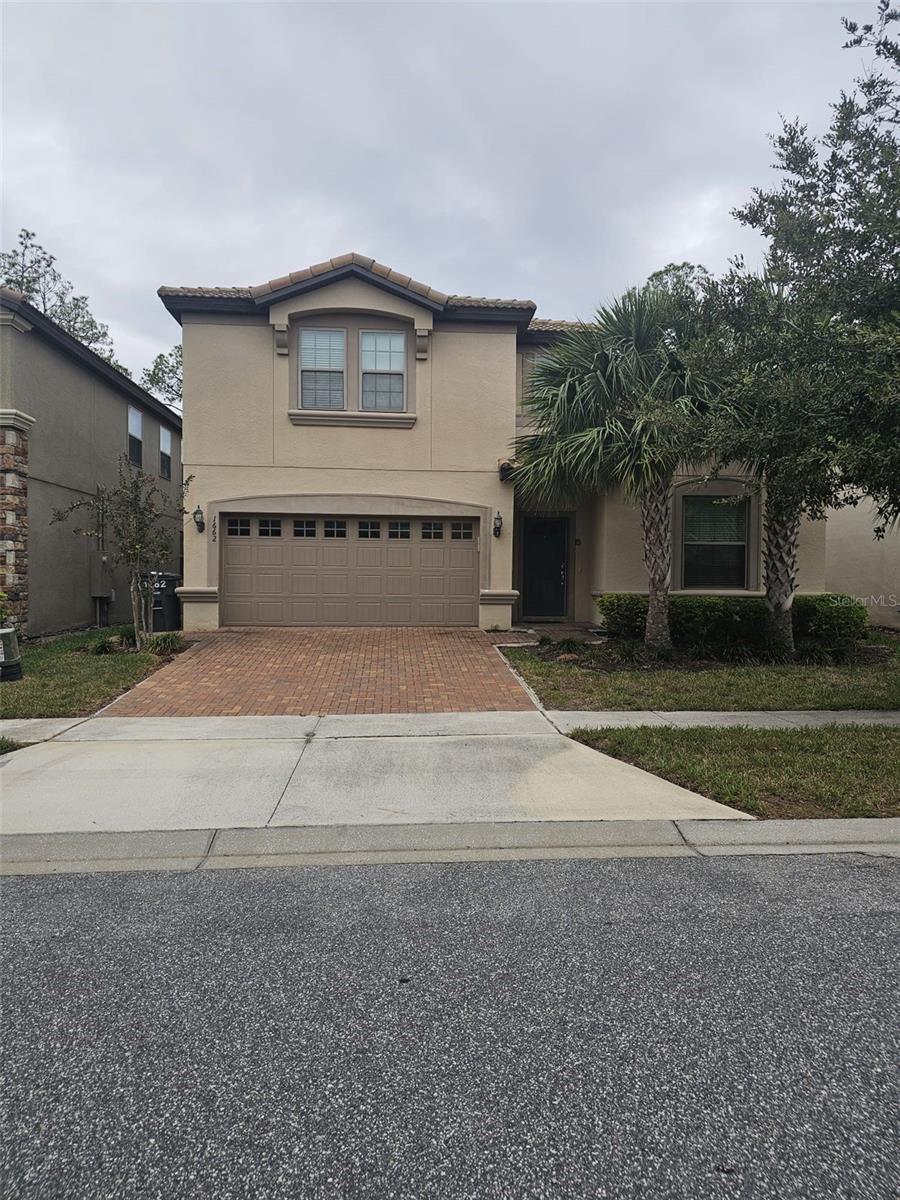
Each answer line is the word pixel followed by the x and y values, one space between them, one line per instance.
pixel 351 270
pixel 89 359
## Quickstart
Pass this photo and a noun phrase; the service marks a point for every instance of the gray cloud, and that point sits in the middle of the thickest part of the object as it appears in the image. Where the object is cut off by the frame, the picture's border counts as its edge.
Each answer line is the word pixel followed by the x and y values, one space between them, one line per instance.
pixel 555 151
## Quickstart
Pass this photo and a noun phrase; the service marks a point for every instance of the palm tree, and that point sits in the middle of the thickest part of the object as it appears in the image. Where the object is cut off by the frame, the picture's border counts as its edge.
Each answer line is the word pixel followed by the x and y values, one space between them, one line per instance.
pixel 614 406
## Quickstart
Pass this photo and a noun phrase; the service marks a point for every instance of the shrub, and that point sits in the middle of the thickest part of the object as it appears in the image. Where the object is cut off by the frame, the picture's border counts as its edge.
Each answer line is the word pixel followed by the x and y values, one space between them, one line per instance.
pixel 569 645
pixel 831 618
pixel 624 614
pixel 734 626
pixel 164 644
pixel 126 636
pixel 107 645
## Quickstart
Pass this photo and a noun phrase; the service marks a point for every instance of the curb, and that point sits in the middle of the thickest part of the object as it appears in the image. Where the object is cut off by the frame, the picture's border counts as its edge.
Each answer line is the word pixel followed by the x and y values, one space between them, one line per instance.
pixel 361 845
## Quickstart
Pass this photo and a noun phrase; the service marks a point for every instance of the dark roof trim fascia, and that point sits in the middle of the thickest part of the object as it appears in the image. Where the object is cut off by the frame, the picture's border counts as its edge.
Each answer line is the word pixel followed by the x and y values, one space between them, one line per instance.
pixel 177 305
pixel 498 316
pixel 89 359
pixel 538 337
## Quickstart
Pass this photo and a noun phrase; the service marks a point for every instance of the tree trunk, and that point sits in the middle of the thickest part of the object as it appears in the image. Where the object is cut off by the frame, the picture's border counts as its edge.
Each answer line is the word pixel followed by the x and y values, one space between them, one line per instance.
pixel 656 527
pixel 137 613
pixel 782 530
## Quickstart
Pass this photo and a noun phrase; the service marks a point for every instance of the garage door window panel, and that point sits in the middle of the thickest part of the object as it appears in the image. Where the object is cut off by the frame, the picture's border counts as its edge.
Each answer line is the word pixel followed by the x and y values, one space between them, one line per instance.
pixel 335 529
pixel 304 528
pixel 382 359
pixel 270 527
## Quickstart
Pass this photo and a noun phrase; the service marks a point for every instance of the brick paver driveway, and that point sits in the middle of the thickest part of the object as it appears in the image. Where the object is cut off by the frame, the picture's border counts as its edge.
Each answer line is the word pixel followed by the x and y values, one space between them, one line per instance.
pixel 284 672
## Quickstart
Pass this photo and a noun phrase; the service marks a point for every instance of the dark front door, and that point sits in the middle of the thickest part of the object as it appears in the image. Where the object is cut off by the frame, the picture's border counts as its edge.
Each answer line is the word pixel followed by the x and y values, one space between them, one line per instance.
pixel 545 552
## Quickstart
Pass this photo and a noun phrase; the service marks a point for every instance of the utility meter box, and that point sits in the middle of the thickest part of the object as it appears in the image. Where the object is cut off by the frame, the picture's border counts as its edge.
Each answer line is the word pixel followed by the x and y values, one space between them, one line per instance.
pixel 101 576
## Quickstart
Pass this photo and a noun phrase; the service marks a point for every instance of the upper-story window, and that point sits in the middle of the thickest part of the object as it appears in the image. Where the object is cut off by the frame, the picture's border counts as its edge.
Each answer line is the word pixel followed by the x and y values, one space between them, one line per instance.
pixel 382 360
pixel 322 359
pixel 165 452
pixel 714 536
pixel 135 436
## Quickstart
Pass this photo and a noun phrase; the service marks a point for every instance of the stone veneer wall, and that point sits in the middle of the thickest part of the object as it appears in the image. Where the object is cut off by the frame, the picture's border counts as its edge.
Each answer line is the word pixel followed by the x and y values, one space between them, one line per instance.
pixel 14 522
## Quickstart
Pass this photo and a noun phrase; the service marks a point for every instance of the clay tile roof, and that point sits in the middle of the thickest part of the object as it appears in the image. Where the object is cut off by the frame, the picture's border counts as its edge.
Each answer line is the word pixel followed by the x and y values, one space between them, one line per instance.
pixel 228 293
pixel 488 302
pixel 334 264
pixel 547 325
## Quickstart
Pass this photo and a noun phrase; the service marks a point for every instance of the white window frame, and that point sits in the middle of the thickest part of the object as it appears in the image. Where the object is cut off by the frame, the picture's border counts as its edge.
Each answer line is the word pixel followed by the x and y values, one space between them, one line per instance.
pixel 165 448
pixel 716 587
pixel 139 436
pixel 300 368
pixel 375 371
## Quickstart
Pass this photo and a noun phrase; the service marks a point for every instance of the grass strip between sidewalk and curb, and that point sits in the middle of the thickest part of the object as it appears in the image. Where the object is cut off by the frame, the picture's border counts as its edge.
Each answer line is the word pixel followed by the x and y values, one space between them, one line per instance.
pixel 63 679
pixel 832 771
pixel 569 685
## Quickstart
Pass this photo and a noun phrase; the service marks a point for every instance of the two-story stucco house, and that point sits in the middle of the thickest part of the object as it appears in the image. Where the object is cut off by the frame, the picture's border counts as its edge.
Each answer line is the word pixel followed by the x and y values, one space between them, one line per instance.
pixel 66 419
pixel 347 430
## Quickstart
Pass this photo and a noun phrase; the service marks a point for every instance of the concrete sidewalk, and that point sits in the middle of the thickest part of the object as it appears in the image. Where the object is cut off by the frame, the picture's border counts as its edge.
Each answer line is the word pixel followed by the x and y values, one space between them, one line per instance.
pixel 217 849
pixel 566 721
pixel 31 731
pixel 175 773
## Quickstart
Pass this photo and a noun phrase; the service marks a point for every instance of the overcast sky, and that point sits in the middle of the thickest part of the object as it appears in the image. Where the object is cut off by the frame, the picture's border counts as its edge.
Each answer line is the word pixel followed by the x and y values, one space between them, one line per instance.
pixel 557 152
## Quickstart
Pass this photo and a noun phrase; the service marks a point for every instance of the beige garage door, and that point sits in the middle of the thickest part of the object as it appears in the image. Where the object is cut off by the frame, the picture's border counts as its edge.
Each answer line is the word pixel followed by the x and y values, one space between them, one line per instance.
pixel 322 570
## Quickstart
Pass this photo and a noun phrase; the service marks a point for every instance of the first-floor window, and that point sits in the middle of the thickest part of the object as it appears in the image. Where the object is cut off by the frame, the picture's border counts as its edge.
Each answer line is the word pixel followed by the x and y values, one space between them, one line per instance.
pixel 135 436
pixel 714 542
pixel 165 452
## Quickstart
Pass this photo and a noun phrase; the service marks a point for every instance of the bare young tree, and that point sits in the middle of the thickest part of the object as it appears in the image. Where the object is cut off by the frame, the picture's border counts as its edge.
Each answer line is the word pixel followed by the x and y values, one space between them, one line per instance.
pixel 140 521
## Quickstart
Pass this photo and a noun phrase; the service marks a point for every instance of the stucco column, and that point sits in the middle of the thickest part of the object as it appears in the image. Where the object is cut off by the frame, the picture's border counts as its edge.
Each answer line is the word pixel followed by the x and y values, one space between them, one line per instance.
pixel 14 431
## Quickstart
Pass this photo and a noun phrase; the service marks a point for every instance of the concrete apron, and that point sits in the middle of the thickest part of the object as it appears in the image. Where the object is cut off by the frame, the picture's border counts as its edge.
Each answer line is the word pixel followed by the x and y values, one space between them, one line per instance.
pixel 133 774
pixel 217 849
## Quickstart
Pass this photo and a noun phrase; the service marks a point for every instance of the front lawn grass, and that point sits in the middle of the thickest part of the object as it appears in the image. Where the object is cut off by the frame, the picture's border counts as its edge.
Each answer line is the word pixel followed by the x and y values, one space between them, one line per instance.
pixel 833 771
pixel 570 685
pixel 62 680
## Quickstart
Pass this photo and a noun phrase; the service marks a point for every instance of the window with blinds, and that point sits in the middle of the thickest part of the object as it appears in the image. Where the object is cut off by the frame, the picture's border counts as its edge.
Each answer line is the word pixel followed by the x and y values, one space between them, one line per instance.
pixel 714 542
pixel 322 358
pixel 135 436
pixel 383 365
pixel 165 452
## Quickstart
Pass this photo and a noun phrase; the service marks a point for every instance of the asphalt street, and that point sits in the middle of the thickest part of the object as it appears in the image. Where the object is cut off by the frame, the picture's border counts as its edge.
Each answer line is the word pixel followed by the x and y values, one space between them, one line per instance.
pixel 632 1028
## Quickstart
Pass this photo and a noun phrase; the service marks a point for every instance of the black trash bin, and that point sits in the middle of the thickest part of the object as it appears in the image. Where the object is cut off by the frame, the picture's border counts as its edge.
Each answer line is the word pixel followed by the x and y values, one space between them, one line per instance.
pixel 166 607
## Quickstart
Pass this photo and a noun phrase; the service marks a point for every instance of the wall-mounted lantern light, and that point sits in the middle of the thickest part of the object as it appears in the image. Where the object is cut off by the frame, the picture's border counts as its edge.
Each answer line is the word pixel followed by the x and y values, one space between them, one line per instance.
pixel 197 514
pixel 498 525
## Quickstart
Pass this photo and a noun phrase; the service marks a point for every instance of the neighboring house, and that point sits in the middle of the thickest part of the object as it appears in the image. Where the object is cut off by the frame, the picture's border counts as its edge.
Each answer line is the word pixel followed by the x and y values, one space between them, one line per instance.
pixel 66 418
pixel 348 429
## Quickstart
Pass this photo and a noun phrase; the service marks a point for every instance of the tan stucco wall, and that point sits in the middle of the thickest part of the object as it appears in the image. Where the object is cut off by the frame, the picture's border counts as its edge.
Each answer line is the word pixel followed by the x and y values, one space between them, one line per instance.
pixel 617 564
pixel 857 564
pixel 79 434
pixel 243 450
